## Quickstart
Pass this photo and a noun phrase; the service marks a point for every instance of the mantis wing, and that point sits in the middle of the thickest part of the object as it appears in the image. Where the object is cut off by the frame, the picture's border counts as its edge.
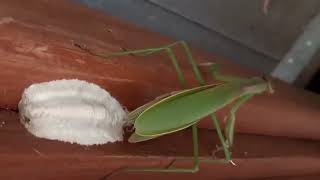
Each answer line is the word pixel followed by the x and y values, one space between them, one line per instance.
pixel 132 116
pixel 134 138
pixel 175 112
pixel 135 113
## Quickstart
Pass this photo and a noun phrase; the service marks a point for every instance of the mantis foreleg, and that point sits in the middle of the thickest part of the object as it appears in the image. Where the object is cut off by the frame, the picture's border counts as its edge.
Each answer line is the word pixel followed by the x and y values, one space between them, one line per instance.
pixel 196 160
pixel 215 70
pixel 225 146
pixel 194 169
pixel 230 126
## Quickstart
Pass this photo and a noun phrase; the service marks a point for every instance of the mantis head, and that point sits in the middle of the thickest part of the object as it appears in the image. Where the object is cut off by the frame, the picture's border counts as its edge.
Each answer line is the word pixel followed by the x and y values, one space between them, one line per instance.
pixel 258 85
pixel 269 85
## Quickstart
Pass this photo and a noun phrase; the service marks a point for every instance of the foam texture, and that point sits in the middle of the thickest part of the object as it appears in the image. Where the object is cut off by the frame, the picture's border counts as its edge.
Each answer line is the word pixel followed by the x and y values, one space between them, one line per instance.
pixel 72 111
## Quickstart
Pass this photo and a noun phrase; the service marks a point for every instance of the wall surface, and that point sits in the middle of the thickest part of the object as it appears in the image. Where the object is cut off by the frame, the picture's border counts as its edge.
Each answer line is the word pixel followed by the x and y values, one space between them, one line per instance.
pixel 237 30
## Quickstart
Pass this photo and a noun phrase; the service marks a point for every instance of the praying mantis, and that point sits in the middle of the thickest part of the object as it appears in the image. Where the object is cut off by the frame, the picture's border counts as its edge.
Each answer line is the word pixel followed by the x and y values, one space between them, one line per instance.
pixel 183 109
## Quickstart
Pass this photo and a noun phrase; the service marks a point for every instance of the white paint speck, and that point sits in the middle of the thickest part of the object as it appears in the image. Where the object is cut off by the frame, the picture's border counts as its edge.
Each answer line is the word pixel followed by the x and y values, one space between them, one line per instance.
pixel 309 43
pixel 290 60
pixel 234 164
pixel 206 64
pixel 80 61
pixel 40 49
pixel 6 20
pixel 31 47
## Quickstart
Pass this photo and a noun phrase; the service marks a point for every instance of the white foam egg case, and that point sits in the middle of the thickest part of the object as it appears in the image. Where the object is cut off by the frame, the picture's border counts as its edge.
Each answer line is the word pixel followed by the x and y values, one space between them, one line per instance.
pixel 72 111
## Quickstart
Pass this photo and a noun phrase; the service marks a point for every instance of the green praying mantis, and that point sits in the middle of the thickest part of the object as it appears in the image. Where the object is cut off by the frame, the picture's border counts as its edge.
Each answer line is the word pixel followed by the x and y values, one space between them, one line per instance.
pixel 183 109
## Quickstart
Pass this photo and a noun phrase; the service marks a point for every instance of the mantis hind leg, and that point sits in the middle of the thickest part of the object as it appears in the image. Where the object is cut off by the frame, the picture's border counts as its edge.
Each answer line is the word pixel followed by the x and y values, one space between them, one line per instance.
pixel 169 51
pixel 194 169
pixel 196 160
pixel 230 126
pixel 227 140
